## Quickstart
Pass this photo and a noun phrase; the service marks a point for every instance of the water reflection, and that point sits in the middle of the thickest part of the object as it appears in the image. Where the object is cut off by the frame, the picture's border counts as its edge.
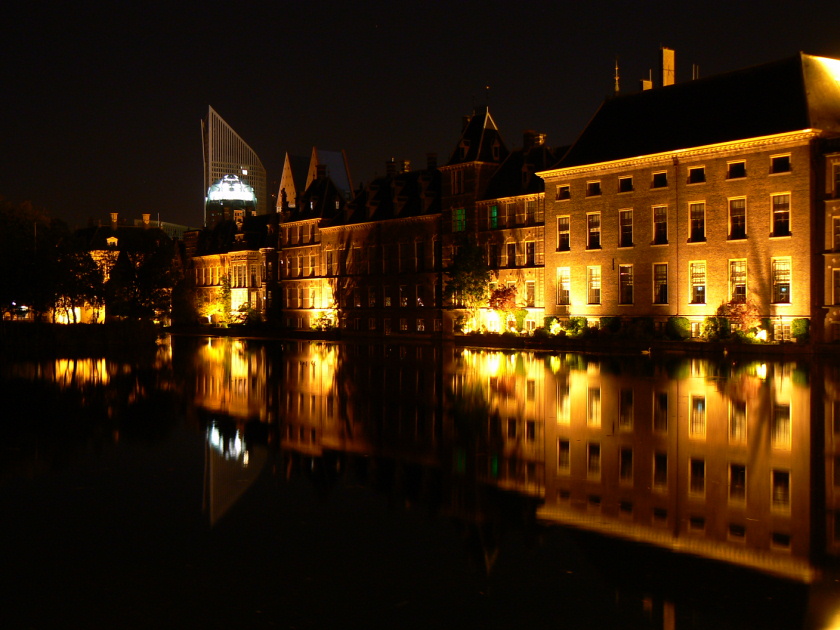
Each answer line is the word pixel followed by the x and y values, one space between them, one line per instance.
pixel 663 468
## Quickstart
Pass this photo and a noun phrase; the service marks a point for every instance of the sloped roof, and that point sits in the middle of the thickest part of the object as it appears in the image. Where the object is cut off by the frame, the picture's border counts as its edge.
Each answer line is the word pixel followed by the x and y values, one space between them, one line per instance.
pixel 517 174
pixel 337 169
pixel 800 92
pixel 406 194
pixel 478 139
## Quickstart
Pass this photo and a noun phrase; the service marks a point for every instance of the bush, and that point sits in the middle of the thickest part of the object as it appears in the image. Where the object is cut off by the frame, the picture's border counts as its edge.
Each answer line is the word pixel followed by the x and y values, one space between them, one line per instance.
pixel 640 328
pixel 801 329
pixel 715 328
pixel 678 328
pixel 577 326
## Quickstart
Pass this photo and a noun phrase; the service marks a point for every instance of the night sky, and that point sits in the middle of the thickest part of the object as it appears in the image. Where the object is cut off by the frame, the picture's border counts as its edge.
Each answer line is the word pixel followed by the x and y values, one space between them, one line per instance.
pixel 102 102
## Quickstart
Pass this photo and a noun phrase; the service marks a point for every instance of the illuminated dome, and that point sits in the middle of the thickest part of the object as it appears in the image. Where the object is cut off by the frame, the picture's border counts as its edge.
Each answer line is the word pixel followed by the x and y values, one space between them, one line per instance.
pixel 231 188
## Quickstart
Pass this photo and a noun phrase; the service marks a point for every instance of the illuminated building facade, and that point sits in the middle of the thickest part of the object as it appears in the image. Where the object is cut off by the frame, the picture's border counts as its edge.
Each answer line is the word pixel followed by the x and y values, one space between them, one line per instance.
pixel 676 200
pixel 226 154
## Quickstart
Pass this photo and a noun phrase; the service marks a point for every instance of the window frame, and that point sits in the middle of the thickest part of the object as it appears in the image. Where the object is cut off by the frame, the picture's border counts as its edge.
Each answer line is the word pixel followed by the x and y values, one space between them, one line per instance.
pixel 625 227
pixel 735 279
pixel 735 167
pixel 777 228
pixel 625 184
pixel 695 267
pixel 563 192
pixel 567 240
pixel 780 164
pixel 625 284
pixel 564 293
pixel 696 226
pixel 593 284
pixel 660 236
pixel 660 286
pixel 696 175
pixel 778 275
pixel 593 232
pixel 659 179
pixel 593 188
pixel 741 232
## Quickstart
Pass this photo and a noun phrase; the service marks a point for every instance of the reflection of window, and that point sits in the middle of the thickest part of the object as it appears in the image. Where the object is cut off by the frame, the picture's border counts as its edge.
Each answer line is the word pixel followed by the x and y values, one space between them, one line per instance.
pixel 697 476
pixel 697 421
pixel 593 406
pixel 737 482
pixel 625 408
pixel 625 465
pixel 564 459
pixel 660 470
pixel 738 421
pixel 563 400
pixel 660 412
pixel 780 428
pixel 593 460
pixel 781 489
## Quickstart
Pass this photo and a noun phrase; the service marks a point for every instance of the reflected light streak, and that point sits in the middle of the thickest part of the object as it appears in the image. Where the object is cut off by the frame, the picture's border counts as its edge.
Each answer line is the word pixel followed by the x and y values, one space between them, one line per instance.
pixel 232 449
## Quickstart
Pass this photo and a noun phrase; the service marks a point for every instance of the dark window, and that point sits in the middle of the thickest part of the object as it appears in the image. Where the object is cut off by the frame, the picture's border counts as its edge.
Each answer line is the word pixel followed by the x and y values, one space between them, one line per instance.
pixel 737 218
pixel 594 231
pixel 660 180
pixel 625 184
pixel 780 164
pixel 625 226
pixel 735 170
pixel 593 189
pixel 660 283
pixel 697 175
pixel 781 215
pixel 660 225
pixel 563 240
pixel 697 218
pixel 563 193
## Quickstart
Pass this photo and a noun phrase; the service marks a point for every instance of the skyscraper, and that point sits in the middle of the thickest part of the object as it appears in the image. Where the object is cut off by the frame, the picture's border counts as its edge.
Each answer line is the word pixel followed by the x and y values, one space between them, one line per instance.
pixel 226 153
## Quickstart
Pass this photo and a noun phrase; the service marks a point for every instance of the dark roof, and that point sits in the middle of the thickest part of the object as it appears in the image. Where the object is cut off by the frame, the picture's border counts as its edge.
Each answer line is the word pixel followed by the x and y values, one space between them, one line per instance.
pixel 318 201
pixel 517 174
pixel 407 194
pixel 797 93
pixel 479 136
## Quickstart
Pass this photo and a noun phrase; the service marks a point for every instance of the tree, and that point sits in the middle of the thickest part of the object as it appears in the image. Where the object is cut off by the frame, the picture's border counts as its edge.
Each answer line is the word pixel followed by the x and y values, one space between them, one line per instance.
pixel 742 315
pixel 469 278
pixel 78 282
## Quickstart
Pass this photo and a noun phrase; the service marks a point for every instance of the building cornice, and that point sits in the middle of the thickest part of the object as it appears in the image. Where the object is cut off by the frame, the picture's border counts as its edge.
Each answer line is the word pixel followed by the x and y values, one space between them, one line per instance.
pixel 667 157
pixel 365 224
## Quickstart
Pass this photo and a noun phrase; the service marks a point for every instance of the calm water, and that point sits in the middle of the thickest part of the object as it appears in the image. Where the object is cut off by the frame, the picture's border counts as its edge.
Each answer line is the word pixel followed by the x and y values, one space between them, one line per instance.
pixel 239 483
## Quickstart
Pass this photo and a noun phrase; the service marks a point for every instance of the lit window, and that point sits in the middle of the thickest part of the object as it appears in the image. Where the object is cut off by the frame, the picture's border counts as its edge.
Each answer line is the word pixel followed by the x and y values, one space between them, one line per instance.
pixel 530 253
pixel 781 215
pixel 459 220
pixel 563 286
pixel 660 283
pixel 737 218
pixel 625 228
pixel 780 164
pixel 738 280
pixel 563 236
pixel 593 222
pixel 625 284
pixel 697 273
pixel 697 222
pixel 530 293
pixel 660 180
pixel 593 285
pixel 697 175
pixel 493 218
pixel 781 280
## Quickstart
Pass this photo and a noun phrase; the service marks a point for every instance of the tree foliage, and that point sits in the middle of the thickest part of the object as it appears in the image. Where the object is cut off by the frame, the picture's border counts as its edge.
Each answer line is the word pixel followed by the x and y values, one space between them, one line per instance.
pixel 742 315
pixel 503 299
pixel 469 277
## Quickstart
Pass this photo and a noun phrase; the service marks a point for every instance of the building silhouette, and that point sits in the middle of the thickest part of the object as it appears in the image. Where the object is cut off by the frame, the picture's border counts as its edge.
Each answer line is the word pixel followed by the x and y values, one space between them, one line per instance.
pixel 227 154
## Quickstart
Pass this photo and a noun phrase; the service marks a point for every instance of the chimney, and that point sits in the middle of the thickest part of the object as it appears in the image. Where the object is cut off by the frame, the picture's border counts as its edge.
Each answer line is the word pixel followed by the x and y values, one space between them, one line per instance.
pixel 321 171
pixel 146 218
pixel 390 168
pixel 114 220
pixel 431 161
pixel 666 58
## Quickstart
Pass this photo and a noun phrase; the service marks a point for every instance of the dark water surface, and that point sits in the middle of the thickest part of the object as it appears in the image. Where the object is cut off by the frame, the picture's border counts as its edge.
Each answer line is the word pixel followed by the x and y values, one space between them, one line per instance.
pixel 235 483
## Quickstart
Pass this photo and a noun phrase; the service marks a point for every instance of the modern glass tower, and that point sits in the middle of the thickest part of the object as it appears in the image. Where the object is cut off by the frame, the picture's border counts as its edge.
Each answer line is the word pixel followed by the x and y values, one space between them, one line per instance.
pixel 225 153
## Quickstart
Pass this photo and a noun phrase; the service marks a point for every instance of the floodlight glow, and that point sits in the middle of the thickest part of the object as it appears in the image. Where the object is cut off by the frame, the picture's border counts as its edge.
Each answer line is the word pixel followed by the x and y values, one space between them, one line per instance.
pixel 230 188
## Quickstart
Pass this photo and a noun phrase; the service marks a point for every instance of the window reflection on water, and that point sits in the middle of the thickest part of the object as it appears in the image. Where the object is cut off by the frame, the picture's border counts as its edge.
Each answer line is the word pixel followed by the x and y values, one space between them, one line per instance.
pixel 732 459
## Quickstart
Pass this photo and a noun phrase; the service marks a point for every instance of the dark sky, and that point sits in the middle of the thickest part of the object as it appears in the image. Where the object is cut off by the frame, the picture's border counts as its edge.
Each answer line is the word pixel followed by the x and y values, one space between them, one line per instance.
pixel 102 101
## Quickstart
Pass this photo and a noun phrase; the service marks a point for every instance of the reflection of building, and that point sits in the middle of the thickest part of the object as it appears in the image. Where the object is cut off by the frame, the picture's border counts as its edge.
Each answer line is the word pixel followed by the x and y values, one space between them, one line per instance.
pixel 225 153
pixel 678 199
